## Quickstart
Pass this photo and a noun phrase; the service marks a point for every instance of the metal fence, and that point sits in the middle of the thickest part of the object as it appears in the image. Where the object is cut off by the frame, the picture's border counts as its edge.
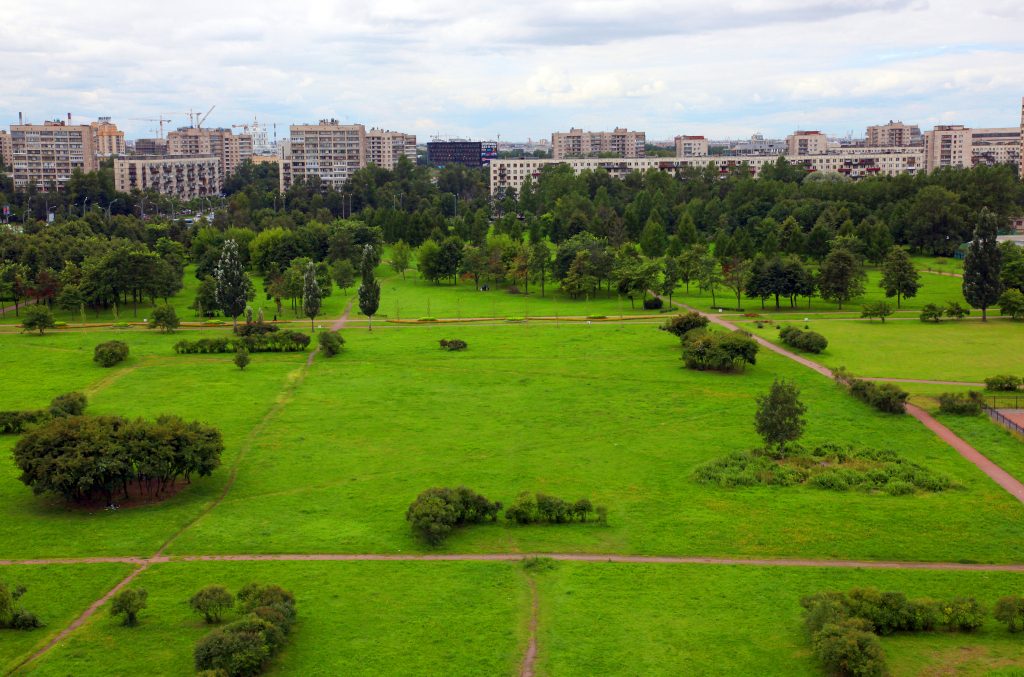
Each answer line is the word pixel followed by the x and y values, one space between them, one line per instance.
pixel 1006 402
pixel 1002 420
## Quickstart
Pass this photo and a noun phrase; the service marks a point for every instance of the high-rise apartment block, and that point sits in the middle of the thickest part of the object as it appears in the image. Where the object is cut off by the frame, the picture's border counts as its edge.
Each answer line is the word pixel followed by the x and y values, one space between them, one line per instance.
pixel 151 146
pixel 459 152
pixel 328 150
pixel 806 143
pixel 688 146
pixel 182 176
pixel 384 148
pixel 47 154
pixel 947 146
pixel 893 134
pixel 5 147
pixel 222 143
pixel 577 143
pixel 106 139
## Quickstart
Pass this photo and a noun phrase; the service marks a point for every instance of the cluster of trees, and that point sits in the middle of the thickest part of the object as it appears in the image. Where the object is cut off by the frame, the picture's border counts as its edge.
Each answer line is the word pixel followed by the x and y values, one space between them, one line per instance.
pixel 887 397
pixel 79 456
pixel 719 350
pixel 16 422
pixel 244 647
pixel 270 342
pixel 530 508
pixel 439 509
pixel 961 404
pixel 844 627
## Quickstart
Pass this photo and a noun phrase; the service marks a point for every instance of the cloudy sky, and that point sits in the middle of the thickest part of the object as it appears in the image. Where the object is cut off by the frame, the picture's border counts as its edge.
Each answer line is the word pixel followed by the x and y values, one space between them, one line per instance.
pixel 725 68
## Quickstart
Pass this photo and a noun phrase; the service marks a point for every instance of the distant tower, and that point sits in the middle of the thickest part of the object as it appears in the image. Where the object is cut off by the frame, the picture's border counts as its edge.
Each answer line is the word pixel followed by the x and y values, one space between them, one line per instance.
pixel 260 142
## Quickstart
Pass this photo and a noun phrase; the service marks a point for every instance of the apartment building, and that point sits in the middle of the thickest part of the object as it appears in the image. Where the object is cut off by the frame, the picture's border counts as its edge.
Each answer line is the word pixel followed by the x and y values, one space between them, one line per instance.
pixel 806 143
pixel 151 146
pixel 229 147
pixel 181 176
pixel 384 148
pixel 47 154
pixel 106 139
pixel 995 145
pixel 893 134
pixel 511 173
pixel 327 150
pixel 688 146
pixel 948 146
pixel 5 148
pixel 458 152
pixel 577 143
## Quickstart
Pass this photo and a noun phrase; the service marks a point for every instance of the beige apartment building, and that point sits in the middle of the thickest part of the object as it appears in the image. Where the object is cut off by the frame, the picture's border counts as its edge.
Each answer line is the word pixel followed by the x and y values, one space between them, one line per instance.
pixel 47 154
pixel 893 134
pixel 328 150
pixel 577 143
pixel 151 146
pixel 959 146
pixel 384 148
pixel 5 147
pixel 181 176
pixel 995 145
pixel 229 147
pixel 688 146
pixel 106 139
pixel 806 143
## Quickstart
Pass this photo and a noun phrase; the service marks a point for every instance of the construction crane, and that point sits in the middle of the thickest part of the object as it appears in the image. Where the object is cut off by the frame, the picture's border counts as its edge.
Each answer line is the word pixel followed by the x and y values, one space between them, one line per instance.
pixel 161 120
pixel 200 123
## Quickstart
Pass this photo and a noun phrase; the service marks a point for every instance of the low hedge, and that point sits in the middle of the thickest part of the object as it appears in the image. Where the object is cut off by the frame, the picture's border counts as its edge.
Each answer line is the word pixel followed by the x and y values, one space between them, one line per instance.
pixel 887 397
pixel 961 404
pixel 280 342
pixel 808 341
pixel 1003 382
pixel 653 303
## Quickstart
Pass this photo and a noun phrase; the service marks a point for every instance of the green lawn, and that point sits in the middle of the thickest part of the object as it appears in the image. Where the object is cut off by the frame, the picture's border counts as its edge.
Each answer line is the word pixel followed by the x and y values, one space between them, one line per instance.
pixel 57 594
pixel 354 618
pixel 948 351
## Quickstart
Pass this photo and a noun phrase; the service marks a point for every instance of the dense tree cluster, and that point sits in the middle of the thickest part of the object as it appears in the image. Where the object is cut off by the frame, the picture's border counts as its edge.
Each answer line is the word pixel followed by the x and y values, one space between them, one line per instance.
pixel 17 422
pixel 437 510
pixel 80 456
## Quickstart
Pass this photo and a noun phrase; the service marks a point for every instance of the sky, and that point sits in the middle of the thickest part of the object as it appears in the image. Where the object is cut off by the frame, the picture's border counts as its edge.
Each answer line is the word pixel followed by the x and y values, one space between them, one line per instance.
pixel 521 70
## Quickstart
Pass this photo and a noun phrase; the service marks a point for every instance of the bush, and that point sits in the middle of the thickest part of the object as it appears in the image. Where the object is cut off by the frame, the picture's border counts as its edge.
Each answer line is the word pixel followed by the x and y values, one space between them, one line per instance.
pixel 718 351
pixel 25 620
pixel 539 564
pixel 71 404
pixel 1010 610
pixel 930 312
pixel 164 318
pixel 653 303
pixel 330 342
pixel 254 328
pixel 435 511
pixel 128 603
pixel 242 358
pixel 211 602
pixel 110 353
pixel 285 341
pixel 242 648
pixel 962 614
pixel 961 404
pixel 681 324
pixel 1002 382
pixel 454 344
pixel 887 397
pixel 37 317
pixel 523 510
pixel 809 341
pixel 847 650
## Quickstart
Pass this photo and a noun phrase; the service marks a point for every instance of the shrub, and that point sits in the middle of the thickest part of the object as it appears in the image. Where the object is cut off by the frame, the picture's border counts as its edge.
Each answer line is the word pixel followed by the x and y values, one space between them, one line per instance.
pixel 681 324
pixel 961 404
pixel 653 303
pixel 128 603
pixel 879 309
pixel 582 508
pixel 330 342
pixel 71 404
pixel 847 650
pixel 1010 610
pixel 242 648
pixel 539 564
pixel 284 341
pixel 242 358
pixel 255 328
pixel 37 317
pixel 25 620
pixel 454 344
pixel 211 602
pixel 962 614
pixel 164 318
pixel 809 341
pixel 110 353
pixel 930 312
pixel 887 397
pixel 253 596
pixel 523 509
pixel 552 508
pixel 60 323
pixel 1002 382
pixel 718 351
pixel 435 511
pixel 602 514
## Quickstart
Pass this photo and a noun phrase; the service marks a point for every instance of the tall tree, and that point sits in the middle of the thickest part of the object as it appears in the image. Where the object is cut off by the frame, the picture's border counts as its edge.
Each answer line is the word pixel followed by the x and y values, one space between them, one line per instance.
pixel 400 257
pixel 983 263
pixel 369 290
pixel 899 277
pixel 311 300
pixel 841 277
pixel 232 282
pixel 778 415
pixel 540 263
pixel 653 240
pixel 669 277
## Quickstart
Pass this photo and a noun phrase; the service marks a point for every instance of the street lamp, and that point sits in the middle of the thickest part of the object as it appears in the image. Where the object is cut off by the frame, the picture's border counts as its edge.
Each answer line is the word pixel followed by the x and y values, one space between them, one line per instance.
pixel 26 210
pixel 108 209
pixel 84 204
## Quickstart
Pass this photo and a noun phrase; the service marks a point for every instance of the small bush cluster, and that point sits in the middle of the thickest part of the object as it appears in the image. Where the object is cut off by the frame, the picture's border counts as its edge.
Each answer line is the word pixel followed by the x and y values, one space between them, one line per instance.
pixel 255 328
pixel 280 342
pixel 961 404
pixel 244 647
pixel 844 627
pixel 529 508
pixel 454 344
pixel 1003 382
pixel 110 353
pixel 719 351
pixel 653 303
pixel 437 510
pixel 887 397
pixel 828 466
pixel 164 318
pixel 680 325
pixel 17 422
pixel 330 342
pixel 15 618
pixel 808 341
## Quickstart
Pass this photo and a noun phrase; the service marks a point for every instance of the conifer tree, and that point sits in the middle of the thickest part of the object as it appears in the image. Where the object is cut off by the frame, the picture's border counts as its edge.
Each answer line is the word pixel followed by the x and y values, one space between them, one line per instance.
pixel 983 264
pixel 311 296
pixel 232 284
pixel 369 289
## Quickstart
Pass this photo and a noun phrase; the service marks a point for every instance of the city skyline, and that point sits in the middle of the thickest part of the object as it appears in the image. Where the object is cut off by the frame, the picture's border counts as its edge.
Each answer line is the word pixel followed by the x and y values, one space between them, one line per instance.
pixel 477 71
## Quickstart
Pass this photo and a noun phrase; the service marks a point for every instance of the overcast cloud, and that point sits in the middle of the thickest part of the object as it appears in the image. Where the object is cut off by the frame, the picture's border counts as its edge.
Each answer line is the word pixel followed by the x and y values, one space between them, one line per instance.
pixel 520 69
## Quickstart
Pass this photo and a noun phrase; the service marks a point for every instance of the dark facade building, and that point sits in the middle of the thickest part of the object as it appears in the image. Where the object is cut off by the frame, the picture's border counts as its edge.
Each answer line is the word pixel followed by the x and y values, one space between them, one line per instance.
pixel 455 152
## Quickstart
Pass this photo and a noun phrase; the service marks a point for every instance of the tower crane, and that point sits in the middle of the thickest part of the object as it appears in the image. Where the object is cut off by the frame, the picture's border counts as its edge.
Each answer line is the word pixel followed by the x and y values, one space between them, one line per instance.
pixel 200 123
pixel 160 119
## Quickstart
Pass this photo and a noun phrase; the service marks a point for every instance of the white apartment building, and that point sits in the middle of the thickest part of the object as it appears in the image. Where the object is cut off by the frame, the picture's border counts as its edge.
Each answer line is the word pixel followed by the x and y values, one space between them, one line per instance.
pixel 806 143
pixel 384 148
pixel 995 146
pixel 689 146
pixel 327 150
pixel 47 154
pixel 181 176
pixel 948 146
pixel 577 143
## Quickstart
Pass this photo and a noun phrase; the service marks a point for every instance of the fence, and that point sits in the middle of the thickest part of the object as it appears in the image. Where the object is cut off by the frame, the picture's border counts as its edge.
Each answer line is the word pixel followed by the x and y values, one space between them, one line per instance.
pixel 1002 420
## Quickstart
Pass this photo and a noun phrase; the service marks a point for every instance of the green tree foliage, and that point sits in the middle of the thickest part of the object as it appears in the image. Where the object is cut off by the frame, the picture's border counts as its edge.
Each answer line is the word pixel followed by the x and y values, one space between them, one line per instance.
pixel 778 416
pixel 680 325
pixel 1010 610
pixel 437 510
pixel 1011 302
pixel 344 274
pixel 982 285
pixel 653 240
pixel 369 289
pixel 719 351
pixel 128 603
pixel 211 601
pixel 401 256
pixel 242 358
pixel 233 284
pixel 899 277
pixel 110 353
pixel 164 318
pixel 841 277
pixel 37 317
pixel 311 301
pixel 330 342
pixel 879 309
pixel 931 311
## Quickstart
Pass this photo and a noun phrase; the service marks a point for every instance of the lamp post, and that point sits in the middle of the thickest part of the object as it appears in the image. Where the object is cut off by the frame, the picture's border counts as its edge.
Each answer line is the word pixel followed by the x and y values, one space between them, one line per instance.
pixel 84 204
pixel 108 209
pixel 25 211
